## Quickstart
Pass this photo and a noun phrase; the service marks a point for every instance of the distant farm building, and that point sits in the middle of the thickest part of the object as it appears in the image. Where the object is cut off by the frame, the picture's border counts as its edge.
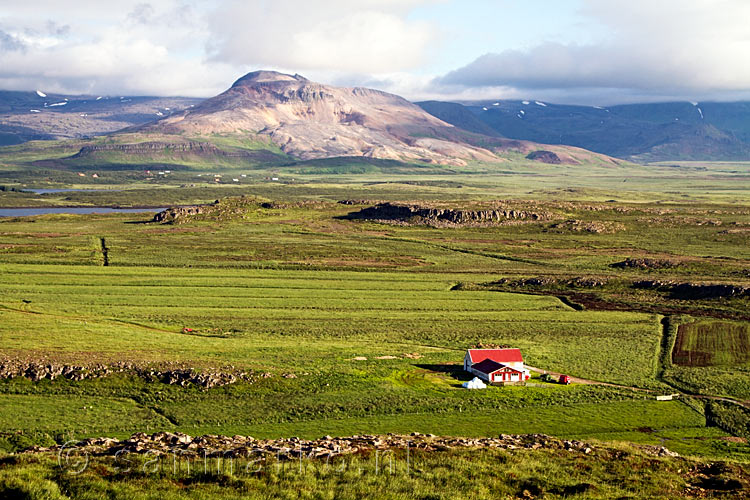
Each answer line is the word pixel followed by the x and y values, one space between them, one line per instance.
pixel 497 366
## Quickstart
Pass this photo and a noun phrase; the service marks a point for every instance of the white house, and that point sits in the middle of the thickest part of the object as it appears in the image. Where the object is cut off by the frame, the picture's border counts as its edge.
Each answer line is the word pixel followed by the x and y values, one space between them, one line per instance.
pixel 500 366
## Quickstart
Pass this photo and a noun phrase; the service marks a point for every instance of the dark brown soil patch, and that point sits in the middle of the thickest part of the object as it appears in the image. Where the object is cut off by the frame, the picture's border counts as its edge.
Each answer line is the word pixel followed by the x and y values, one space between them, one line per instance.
pixel 597 303
pixel 711 343
pixel 684 357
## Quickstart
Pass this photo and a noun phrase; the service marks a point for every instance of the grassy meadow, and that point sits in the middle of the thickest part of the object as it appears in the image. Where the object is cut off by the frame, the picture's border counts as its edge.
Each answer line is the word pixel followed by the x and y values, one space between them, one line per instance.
pixel 346 326
pixel 621 472
pixel 349 338
pixel 370 319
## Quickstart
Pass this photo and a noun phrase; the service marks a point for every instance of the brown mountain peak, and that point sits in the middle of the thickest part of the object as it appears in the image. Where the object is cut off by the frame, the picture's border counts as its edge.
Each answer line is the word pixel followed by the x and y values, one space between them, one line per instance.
pixel 265 76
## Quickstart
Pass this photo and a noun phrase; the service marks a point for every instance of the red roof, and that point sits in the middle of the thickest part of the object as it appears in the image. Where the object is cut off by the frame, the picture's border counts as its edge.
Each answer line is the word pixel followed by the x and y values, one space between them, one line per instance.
pixel 497 355
pixel 489 367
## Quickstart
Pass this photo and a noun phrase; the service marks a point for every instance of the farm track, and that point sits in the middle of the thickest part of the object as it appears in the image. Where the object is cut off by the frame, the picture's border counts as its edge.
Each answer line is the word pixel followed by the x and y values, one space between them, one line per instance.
pixel 666 349
pixel 578 380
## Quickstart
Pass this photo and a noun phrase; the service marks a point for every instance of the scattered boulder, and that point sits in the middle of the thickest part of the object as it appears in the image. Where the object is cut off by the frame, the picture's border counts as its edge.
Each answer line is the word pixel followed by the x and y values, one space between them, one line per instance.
pixel 162 443
pixel 658 451
pixel 360 202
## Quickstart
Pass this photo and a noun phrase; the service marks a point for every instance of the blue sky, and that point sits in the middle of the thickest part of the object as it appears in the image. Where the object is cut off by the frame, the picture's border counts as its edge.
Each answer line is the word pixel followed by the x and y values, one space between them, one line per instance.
pixel 477 27
pixel 569 51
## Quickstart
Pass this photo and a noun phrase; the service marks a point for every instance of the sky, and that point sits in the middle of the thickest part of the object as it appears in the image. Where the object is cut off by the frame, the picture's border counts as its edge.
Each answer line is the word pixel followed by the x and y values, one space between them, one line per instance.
pixel 594 52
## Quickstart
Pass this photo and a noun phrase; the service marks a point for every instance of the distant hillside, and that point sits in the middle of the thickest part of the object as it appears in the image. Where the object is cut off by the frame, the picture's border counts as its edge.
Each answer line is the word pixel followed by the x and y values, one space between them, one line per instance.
pixel 26 116
pixel 638 132
pixel 459 115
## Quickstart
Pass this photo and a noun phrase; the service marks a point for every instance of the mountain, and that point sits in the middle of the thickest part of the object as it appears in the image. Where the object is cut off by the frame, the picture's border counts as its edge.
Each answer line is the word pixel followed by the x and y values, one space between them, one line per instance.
pixel 637 132
pixel 268 118
pixel 26 116
pixel 458 115
pixel 308 120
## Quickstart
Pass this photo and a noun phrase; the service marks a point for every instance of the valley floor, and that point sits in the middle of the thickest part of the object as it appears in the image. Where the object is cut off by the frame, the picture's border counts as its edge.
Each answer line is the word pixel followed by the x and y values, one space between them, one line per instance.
pixel 332 325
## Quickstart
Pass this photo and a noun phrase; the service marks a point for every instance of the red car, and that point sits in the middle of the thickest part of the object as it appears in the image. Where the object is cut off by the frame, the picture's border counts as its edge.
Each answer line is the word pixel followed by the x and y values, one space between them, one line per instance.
pixel 565 379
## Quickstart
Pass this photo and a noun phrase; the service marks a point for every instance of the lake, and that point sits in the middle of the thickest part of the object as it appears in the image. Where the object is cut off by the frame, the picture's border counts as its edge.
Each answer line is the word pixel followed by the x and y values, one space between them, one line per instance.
pixel 47 191
pixel 23 212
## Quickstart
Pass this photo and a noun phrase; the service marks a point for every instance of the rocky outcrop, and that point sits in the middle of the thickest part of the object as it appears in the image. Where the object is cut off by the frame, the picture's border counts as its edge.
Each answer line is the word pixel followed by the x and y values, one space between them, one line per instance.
pixel 580 226
pixel 542 281
pixel 544 157
pixel 416 214
pixel 220 210
pixel 37 371
pixel 182 445
pixel 645 263
pixel 694 291
pixel 175 214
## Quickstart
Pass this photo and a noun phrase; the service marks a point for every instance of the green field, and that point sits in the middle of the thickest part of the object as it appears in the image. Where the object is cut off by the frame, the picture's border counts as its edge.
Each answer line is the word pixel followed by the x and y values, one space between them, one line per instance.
pixel 257 311
pixel 344 326
pixel 298 289
pixel 319 325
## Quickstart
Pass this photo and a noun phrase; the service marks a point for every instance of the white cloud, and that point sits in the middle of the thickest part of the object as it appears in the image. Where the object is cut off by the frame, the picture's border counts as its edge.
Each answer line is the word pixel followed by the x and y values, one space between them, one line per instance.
pixel 648 50
pixel 331 35
pixel 190 47
pixel 669 48
pixel 93 47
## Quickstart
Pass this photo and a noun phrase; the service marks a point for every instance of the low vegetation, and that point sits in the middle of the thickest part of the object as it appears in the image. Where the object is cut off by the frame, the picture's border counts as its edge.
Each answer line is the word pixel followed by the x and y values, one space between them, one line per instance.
pixel 605 473
pixel 334 324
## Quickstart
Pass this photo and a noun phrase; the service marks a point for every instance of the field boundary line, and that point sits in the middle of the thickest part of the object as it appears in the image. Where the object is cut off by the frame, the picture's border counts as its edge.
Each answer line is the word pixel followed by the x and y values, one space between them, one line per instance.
pixel 86 319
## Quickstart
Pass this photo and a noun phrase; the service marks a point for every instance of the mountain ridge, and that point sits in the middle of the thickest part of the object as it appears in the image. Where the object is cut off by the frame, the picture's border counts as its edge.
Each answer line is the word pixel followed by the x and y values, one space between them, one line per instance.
pixel 26 116
pixel 294 118
pixel 636 132
pixel 371 123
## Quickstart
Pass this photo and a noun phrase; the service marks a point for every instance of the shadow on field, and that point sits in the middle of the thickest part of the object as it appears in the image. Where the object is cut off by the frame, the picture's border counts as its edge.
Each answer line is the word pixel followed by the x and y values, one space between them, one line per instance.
pixel 454 371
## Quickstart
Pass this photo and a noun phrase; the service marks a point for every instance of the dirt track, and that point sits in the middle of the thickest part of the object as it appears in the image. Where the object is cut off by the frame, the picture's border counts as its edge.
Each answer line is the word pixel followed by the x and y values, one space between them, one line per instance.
pixel 577 380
